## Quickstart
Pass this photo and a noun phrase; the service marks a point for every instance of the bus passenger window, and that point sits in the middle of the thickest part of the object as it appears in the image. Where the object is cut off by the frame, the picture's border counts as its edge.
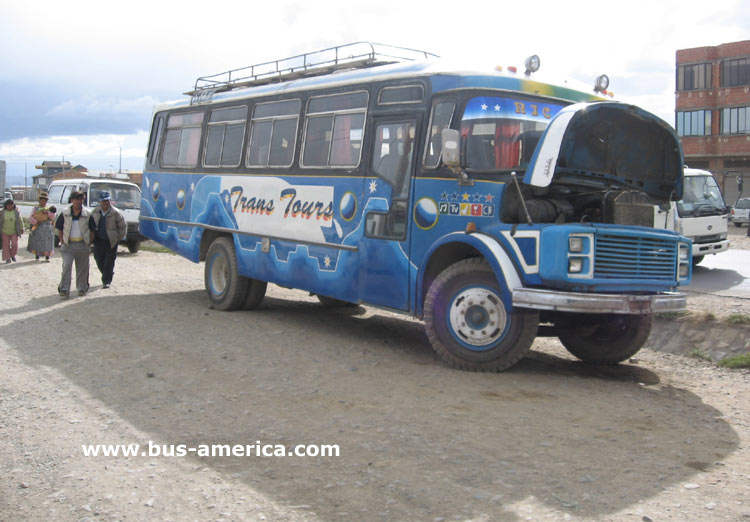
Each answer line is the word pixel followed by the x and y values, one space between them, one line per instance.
pixel 317 141
pixel 226 130
pixel 347 139
pixel 273 134
pixel 182 140
pixel 155 139
pixel 334 130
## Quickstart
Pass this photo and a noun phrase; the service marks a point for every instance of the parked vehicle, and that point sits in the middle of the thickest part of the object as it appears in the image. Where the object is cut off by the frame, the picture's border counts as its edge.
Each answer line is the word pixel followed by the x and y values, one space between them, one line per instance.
pixel 701 214
pixel 486 204
pixel 125 196
pixel 741 212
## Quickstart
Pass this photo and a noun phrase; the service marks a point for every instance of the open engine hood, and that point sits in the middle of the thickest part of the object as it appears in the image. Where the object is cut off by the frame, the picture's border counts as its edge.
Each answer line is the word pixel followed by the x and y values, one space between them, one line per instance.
pixel 609 145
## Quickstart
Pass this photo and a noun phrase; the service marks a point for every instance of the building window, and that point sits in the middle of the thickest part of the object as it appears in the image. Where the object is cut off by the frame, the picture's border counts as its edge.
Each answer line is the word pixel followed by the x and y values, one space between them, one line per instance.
pixel 694 77
pixel 735 120
pixel 694 123
pixel 735 72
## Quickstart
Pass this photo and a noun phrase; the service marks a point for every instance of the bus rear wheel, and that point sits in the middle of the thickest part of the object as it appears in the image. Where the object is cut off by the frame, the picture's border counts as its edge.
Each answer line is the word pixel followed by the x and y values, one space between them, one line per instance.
pixel 256 291
pixel 468 323
pixel 608 339
pixel 226 289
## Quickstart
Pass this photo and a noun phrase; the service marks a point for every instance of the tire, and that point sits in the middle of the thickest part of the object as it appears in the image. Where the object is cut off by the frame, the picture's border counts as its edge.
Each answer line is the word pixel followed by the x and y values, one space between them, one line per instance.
pixel 226 289
pixel 467 292
pixel 330 302
pixel 606 339
pixel 697 260
pixel 256 291
pixel 134 246
pixel 738 225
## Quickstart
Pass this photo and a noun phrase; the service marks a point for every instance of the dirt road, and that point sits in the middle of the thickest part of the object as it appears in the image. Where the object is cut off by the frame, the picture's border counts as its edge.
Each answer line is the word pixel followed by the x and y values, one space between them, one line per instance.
pixel 661 438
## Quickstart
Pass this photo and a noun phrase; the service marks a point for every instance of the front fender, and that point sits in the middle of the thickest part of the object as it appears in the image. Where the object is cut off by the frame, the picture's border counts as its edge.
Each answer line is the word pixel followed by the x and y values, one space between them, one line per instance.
pixel 498 258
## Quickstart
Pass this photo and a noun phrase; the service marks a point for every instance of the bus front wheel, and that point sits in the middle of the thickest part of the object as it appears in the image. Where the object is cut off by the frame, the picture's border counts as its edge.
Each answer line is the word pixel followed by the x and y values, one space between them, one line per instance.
pixel 608 339
pixel 468 323
pixel 226 289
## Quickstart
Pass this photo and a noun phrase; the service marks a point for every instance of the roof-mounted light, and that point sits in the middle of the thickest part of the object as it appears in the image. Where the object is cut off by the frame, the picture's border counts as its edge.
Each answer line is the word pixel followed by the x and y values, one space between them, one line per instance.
pixel 532 64
pixel 601 83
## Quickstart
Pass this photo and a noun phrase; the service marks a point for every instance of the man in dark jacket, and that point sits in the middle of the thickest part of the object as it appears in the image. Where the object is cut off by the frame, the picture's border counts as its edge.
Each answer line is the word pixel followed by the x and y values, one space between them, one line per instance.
pixel 108 227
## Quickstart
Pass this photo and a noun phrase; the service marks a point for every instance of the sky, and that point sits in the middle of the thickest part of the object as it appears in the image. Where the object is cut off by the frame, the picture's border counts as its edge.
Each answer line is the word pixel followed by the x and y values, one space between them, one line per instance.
pixel 79 79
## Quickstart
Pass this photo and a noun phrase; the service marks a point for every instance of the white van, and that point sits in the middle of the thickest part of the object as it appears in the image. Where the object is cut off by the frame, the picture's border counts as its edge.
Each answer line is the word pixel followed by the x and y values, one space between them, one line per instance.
pixel 701 214
pixel 125 196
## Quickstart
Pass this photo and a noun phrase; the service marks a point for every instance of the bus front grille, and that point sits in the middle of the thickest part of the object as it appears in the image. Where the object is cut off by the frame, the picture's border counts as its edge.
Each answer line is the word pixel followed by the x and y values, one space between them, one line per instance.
pixel 630 257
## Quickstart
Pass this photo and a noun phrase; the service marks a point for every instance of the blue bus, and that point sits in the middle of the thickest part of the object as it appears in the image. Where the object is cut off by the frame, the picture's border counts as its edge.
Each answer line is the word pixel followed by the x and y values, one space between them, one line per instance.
pixel 494 207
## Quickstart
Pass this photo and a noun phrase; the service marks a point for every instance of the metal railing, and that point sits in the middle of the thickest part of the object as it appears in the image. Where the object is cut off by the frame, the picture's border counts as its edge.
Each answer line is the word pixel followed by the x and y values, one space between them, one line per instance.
pixel 357 55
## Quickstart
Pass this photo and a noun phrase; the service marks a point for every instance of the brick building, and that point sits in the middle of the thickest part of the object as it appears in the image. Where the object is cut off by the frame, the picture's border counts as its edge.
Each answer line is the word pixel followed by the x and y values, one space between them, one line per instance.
pixel 712 112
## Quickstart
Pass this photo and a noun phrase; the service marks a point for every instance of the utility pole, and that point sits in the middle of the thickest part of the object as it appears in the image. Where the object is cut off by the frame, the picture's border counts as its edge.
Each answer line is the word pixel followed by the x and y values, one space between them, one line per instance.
pixel 25 181
pixel 120 171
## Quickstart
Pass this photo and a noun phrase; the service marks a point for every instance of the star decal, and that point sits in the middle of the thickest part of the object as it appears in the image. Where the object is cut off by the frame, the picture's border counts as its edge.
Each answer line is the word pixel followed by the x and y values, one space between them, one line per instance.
pixel 465 196
pixel 497 108
pixel 488 198
pixel 454 196
pixel 444 196
pixel 373 186
pixel 327 262
pixel 476 197
pixel 484 106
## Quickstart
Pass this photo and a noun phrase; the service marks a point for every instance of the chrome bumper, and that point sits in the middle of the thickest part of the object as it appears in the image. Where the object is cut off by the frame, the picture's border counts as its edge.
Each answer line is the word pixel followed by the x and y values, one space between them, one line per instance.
pixel 598 303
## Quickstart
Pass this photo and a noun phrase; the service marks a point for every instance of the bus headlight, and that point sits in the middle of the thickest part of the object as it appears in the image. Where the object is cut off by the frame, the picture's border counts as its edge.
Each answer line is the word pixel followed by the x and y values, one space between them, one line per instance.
pixel 575 265
pixel 575 244
pixel 684 271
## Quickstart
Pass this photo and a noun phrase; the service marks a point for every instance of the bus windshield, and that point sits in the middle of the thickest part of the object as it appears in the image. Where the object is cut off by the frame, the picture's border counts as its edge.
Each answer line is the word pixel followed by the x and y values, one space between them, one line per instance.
pixel 501 133
pixel 701 197
pixel 123 196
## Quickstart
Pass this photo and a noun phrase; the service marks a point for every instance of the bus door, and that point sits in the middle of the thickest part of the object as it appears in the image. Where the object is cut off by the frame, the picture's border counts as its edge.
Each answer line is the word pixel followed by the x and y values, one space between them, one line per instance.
pixel 384 253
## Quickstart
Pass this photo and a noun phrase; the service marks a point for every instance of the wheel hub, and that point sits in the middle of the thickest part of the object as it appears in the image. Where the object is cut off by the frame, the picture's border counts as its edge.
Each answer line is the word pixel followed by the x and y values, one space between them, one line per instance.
pixel 219 275
pixel 477 316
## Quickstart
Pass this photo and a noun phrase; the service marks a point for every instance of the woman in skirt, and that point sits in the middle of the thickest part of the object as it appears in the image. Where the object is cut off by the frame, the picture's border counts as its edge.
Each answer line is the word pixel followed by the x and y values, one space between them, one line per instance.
pixel 42 218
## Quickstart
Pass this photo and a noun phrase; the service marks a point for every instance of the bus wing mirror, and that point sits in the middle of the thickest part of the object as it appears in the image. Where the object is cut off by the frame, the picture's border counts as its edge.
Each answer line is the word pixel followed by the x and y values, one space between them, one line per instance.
pixel 451 149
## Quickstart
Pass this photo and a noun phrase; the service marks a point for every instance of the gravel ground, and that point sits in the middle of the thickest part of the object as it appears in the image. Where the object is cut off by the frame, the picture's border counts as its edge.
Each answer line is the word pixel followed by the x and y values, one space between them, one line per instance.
pixel 663 437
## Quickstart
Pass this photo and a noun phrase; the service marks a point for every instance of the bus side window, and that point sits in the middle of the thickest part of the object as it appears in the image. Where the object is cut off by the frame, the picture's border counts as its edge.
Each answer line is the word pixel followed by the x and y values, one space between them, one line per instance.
pixel 273 134
pixel 155 139
pixel 182 142
pixel 442 113
pixel 334 129
pixel 226 133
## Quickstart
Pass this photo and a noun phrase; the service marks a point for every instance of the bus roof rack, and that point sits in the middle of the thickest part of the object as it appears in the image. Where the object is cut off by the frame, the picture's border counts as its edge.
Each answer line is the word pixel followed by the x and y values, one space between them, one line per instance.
pixel 357 55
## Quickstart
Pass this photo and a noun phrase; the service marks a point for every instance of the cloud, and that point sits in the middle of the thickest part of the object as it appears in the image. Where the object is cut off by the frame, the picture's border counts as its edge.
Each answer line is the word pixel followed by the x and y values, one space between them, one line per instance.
pixel 102 148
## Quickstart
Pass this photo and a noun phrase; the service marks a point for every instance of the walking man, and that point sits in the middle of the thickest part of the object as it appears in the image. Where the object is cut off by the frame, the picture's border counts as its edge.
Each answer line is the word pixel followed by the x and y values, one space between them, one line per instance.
pixel 73 231
pixel 108 227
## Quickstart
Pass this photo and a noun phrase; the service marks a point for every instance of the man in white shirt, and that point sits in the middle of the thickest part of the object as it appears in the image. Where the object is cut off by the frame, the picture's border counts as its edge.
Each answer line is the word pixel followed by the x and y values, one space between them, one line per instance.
pixel 73 230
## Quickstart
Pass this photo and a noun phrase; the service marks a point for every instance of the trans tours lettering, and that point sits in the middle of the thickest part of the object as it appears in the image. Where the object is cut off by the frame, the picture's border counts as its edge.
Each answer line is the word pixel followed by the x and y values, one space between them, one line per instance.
pixel 293 207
